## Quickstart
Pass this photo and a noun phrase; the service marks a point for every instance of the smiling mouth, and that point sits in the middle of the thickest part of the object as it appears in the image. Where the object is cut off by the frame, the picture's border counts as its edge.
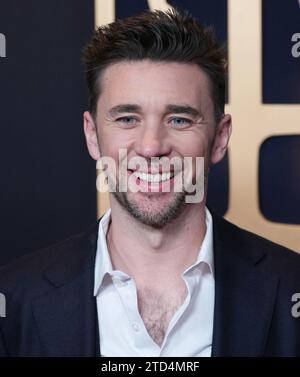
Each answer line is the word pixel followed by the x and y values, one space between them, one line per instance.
pixel 153 178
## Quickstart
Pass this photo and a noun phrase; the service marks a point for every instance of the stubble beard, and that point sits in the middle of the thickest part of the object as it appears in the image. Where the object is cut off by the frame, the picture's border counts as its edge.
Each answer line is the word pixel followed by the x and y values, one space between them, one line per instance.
pixel 148 213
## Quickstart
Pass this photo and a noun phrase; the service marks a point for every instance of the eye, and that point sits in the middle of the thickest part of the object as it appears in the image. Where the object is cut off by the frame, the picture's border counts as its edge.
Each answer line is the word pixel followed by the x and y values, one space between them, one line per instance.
pixel 180 122
pixel 127 120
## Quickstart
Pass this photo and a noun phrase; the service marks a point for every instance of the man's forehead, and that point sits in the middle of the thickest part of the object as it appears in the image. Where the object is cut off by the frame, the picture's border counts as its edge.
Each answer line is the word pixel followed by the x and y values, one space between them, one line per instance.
pixel 125 68
pixel 170 82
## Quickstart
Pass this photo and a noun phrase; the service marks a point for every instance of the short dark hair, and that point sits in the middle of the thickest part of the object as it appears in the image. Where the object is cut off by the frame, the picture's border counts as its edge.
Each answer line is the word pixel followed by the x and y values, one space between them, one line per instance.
pixel 171 36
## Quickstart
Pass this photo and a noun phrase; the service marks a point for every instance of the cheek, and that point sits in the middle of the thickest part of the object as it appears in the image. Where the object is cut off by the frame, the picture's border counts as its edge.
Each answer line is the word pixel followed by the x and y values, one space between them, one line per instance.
pixel 115 140
pixel 194 145
pixel 110 141
pixel 109 149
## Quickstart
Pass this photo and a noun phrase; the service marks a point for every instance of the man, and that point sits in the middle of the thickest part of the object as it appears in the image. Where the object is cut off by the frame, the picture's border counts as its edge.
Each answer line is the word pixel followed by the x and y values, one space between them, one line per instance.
pixel 158 275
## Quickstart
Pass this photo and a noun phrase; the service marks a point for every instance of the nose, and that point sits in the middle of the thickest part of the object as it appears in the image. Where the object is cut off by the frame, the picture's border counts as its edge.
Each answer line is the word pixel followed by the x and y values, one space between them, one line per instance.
pixel 153 141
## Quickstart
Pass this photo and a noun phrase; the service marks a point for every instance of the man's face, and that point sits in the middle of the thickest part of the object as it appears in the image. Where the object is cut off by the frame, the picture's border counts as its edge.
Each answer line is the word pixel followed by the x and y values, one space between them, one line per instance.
pixel 155 109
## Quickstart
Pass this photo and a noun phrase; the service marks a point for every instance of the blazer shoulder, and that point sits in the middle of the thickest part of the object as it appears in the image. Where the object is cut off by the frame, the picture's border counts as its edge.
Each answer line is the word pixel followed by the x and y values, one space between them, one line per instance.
pixel 281 259
pixel 27 271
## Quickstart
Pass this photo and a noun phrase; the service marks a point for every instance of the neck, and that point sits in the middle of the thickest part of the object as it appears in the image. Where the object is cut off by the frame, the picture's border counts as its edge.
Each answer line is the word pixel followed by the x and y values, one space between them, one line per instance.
pixel 146 253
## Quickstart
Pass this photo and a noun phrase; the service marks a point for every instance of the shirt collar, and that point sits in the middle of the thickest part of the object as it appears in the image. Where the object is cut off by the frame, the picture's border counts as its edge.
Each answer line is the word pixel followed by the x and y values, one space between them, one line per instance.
pixel 206 251
pixel 103 264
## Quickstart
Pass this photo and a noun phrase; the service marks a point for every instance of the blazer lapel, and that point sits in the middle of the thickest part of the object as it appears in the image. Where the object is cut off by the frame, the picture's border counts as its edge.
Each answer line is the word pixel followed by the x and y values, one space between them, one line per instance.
pixel 245 293
pixel 66 315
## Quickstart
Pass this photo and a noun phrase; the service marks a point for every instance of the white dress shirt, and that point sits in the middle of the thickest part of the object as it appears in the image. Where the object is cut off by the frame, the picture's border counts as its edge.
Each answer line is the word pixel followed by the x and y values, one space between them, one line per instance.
pixel 121 328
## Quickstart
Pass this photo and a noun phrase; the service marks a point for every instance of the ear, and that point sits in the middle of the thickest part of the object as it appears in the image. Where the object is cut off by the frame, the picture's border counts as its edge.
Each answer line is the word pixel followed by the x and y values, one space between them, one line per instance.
pixel 90 133
pixel 221 139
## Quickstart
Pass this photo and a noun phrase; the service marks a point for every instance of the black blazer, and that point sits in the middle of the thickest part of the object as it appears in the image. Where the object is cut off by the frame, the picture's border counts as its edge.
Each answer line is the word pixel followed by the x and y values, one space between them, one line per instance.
pixel 51 310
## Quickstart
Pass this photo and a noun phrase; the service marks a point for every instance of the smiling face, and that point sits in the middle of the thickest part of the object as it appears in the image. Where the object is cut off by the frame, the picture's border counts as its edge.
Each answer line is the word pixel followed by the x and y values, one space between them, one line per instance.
pixel 155 110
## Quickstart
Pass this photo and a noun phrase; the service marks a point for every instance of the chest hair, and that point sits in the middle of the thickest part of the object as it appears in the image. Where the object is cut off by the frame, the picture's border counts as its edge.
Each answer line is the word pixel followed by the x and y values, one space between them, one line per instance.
pixel 157 309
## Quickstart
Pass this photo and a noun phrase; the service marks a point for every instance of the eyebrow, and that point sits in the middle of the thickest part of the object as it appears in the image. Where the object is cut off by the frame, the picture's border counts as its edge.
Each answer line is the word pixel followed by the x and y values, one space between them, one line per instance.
pixel 172 108
pixel 125 108
pixel 182 109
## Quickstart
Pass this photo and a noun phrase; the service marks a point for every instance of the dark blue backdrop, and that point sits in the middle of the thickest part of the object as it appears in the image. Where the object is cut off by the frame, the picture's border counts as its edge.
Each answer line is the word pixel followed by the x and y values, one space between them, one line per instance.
pixel 47 186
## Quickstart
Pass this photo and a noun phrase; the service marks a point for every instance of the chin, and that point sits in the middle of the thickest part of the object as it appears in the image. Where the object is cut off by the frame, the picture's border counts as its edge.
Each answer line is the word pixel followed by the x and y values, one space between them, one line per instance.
pixel 155 211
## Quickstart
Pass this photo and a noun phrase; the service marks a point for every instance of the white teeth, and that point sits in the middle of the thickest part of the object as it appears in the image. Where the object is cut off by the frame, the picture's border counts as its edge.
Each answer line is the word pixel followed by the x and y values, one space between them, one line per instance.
pixel 155 178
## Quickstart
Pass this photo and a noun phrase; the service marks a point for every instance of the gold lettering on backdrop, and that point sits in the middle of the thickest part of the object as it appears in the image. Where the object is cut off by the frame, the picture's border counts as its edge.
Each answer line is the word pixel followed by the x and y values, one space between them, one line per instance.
pixel 159 4
pixel 104 12
pixel 253 122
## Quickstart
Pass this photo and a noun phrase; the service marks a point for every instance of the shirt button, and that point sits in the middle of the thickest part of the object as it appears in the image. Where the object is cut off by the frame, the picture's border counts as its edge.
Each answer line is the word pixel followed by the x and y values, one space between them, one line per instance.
pixel 135 327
